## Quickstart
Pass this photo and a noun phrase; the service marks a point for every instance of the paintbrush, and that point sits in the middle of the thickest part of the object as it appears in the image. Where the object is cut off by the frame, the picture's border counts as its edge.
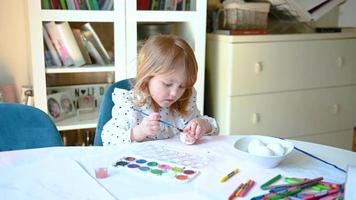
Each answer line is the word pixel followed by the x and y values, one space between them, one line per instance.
pixel 163 122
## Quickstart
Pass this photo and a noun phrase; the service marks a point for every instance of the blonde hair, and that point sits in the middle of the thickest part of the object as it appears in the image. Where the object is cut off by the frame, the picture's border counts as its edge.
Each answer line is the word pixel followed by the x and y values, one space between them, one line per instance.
pixel 162 54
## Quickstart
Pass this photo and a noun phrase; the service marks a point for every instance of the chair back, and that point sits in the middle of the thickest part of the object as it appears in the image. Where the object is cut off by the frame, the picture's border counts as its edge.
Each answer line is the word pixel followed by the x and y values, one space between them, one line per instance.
pixel 106 107
pixel 26 127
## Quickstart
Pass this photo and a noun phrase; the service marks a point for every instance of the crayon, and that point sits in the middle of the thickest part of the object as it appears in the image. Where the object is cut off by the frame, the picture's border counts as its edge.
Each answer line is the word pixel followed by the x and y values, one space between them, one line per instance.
pixel 232 195
pixel 231 174
pixel 250 184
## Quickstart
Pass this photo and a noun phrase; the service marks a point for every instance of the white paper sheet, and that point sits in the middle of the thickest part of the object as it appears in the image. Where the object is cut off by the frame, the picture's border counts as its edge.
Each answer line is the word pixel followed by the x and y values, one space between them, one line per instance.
pixel 53 178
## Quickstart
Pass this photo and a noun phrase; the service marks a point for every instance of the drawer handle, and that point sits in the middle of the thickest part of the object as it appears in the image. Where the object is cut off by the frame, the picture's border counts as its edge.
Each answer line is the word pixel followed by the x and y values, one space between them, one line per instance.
pixel 340 62
pixel 258 68
pixel 335 108
pixel 255 118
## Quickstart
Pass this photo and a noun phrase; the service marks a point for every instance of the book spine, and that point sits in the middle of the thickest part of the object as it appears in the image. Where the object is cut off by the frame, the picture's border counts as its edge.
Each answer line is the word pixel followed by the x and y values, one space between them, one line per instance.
pixel 76 4
pixel 51 48
pixel 90 34
pixel 179 5
pixel 58 43
pixel 63 4
pixel 93 52
pixel 154 4
pixel 143 4
pixel 45 4
pixel 162 4
pixel 54 4
pixel 70 4
pixel 80 41
pixel 70 44
pixel 170 5
pixel 95 4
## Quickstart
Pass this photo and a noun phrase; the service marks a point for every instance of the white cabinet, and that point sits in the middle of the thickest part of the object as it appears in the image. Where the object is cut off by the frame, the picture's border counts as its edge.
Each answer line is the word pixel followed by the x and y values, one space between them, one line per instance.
pixel 122 36
pixel 292 86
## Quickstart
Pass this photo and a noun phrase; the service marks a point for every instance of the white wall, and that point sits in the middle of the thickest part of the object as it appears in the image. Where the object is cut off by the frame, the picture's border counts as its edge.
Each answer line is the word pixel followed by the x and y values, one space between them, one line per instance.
pixel 14 44
pixel 347 16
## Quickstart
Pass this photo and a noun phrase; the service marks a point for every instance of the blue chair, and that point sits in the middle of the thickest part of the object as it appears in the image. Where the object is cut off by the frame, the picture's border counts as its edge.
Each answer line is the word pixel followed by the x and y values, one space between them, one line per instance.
pixel 26 127
pixel 106 107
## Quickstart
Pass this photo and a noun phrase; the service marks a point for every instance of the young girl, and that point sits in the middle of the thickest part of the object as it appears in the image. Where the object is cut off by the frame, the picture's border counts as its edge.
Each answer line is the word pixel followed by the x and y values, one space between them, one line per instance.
pixel 163 91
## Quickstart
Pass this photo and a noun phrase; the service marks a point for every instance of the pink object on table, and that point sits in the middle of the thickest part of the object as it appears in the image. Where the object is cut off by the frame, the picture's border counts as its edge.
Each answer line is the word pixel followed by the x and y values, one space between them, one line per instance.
pixel 101 172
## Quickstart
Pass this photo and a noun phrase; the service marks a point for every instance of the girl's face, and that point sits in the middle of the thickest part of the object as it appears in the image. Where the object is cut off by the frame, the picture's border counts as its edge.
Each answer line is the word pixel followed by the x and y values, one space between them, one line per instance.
pixel 166 89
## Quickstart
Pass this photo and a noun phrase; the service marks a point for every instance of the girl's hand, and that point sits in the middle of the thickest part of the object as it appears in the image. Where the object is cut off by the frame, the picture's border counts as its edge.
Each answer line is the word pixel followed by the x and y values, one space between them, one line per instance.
pixel 196 128
pixel 149 126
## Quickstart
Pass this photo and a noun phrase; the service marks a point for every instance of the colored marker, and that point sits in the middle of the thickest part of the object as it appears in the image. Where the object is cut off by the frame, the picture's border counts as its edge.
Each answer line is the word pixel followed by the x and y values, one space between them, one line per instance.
pixel 283 195
pixel 231 174
pixel 163 122
pixel 284 186
pixel 270 182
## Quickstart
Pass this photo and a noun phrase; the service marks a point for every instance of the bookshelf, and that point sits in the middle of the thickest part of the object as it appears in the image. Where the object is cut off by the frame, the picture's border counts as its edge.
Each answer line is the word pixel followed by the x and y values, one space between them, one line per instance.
pixel 125 20
pixel 43 77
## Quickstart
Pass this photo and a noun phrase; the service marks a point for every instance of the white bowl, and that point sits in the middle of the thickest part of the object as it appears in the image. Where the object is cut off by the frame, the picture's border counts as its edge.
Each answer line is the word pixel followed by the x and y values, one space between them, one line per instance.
pixel 241 145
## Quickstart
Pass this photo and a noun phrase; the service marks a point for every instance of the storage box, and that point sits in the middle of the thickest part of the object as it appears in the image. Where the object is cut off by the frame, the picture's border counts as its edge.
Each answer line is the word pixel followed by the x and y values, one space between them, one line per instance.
pixel 245 15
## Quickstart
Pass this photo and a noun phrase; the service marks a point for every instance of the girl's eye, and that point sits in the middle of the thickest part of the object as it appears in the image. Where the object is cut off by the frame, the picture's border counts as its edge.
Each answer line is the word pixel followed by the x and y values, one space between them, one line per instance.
pixel 167 84
pixel 181 87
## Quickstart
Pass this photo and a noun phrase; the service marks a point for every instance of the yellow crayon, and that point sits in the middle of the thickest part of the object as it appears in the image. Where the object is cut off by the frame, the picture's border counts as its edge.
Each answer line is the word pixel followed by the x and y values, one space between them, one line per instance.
pixel 231 174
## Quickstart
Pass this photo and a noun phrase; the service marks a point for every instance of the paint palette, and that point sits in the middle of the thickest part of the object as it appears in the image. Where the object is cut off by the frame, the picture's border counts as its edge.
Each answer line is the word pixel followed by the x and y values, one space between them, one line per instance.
pixel 157 168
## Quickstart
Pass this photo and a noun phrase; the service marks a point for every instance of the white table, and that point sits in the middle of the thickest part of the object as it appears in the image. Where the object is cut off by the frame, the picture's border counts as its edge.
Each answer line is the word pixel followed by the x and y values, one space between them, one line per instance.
pixel 68 172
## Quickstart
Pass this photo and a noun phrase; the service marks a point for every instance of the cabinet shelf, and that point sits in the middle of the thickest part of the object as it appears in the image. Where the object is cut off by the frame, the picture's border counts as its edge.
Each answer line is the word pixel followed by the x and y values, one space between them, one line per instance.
pixel 169 16
pixel 78 15
pixel 90 68
pixel 86 120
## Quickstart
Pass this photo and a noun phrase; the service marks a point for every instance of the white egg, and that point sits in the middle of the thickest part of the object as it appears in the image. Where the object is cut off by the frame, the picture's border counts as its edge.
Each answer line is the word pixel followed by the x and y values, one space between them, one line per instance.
pixel 277 148
pixel 185 139
pixel 262 151
pixel 255 143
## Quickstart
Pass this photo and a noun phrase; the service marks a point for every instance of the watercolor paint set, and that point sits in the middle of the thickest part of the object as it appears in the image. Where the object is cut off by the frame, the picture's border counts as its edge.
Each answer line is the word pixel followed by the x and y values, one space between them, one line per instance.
pixel 157 168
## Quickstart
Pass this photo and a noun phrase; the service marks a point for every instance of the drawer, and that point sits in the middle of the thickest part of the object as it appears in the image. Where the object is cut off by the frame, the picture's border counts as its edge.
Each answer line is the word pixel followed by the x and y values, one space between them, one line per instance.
pixel 340 139
pixel 293 114
pixel 280 66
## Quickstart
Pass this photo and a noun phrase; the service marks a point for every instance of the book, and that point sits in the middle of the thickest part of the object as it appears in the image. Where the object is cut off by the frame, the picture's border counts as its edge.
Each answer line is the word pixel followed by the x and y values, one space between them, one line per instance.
pixel 93 52
pixel 143 4
pixel 180 5
pixel 54 4
pixel 154 4
pixel 63 4
pixel 90 34
pixel 70 5
pixel 45 4
pixel 242 32
pixel 76 4
pixel 54 55
pixel 70 44
pixel 106 4
pixel 170 5
pixel 58 44
pixel 80 41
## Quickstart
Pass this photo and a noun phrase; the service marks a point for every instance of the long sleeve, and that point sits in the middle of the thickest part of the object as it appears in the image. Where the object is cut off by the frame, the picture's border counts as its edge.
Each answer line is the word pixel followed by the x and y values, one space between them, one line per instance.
pixel 118 129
